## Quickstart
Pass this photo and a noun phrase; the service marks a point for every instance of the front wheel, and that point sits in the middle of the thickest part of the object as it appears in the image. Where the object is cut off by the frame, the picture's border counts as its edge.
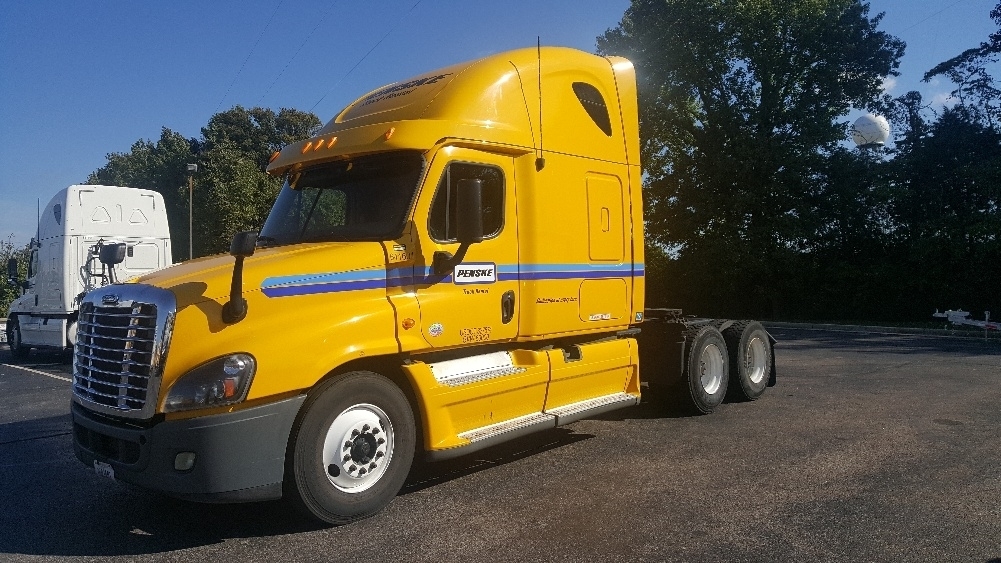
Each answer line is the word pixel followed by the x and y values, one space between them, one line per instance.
pixel 706 371
pixel 18 349
pixel 353 448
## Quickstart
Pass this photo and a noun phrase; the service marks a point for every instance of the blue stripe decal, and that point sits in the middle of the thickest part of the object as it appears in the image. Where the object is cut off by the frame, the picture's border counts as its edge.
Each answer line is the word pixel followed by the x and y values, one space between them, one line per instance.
pixel 303 279
pixel 332 282
pixel 313 288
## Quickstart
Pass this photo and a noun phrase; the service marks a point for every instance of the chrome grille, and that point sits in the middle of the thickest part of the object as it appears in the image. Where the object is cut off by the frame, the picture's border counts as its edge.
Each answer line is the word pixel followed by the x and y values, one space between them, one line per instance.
pixel 115 354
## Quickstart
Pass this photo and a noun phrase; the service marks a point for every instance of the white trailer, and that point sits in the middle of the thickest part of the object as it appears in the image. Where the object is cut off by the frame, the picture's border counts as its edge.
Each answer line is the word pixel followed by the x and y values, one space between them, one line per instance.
pixel 64 263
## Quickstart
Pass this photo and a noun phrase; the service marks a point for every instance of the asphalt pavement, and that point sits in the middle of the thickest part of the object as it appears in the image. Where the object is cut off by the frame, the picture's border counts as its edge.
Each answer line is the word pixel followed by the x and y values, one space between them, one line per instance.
pixel 871 447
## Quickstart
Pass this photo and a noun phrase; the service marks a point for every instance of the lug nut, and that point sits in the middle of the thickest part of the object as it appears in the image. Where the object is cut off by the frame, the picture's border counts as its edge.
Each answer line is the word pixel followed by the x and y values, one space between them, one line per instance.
pixel 381 441
pixel 355 433
pixel 378 455
pixel 347 458
pixel 365 428
pixel 353 467
pixel 347 445
pixel 372 466
pixel 375 431
pixel 362 471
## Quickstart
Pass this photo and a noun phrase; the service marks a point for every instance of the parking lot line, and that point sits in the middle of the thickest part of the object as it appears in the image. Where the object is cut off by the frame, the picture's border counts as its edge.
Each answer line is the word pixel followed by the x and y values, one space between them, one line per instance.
pixel 39 372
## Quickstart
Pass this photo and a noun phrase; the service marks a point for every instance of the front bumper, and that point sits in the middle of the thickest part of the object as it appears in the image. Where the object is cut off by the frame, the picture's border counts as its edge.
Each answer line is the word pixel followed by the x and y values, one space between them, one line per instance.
pixel 239 456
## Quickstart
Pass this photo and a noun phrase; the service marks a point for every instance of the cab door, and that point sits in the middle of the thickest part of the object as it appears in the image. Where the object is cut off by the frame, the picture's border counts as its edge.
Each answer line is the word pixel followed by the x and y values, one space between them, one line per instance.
pixel 470 298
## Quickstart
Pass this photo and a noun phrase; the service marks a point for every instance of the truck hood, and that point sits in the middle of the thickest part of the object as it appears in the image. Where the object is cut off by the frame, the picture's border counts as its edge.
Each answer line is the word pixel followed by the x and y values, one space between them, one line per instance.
pixel 271 270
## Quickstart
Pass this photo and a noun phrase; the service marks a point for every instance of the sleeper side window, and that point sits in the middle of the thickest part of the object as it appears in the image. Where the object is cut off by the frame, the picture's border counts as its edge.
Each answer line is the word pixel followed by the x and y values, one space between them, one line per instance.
pixel 594 104
pixel 442 220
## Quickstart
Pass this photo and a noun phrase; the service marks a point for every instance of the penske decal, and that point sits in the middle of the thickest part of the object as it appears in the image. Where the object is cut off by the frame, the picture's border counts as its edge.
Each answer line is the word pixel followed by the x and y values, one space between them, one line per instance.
pixel 475 273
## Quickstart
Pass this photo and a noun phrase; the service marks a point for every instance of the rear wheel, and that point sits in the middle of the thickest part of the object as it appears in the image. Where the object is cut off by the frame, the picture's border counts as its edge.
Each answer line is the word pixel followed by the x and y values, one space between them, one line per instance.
pixel 18 349
pixel 706 371
pixel 353 448
pixel 750 358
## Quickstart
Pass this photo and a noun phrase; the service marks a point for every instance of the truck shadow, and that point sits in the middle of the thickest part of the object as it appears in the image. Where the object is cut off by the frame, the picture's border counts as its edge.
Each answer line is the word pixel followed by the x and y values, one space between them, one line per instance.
pixel 425 475
pixel 56 506
pixel 38 358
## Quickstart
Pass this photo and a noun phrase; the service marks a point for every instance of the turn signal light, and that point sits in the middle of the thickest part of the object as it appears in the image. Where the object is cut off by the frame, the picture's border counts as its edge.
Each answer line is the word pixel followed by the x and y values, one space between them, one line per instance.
pixel 390 132
pixel 274 156
pixel 306 148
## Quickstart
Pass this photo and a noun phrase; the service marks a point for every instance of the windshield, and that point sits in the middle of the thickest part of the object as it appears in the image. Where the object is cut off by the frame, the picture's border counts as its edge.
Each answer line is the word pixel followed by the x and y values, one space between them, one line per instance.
pixel 366 198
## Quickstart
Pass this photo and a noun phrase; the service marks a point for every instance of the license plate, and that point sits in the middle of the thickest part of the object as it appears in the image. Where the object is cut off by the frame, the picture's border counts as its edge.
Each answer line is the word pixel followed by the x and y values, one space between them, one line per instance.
pixel 104 469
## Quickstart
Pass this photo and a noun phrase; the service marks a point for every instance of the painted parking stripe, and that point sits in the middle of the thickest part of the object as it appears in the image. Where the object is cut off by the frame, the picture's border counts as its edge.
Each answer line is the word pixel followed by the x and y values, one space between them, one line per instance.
pixel 39 372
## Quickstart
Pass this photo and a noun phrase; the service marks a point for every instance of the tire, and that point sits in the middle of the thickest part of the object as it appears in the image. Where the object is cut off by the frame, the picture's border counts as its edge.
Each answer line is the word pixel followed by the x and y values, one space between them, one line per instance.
pixel 750 359
pixel 352 448
pixel 17 347
pixel 706 372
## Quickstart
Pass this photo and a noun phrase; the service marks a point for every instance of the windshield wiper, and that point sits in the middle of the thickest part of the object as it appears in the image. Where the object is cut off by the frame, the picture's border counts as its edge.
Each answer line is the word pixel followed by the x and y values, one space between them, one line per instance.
pixel 266 240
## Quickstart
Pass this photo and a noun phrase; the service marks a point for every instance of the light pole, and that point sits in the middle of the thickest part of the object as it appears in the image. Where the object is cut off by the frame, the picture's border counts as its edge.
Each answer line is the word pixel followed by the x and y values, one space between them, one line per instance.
pixel 192 168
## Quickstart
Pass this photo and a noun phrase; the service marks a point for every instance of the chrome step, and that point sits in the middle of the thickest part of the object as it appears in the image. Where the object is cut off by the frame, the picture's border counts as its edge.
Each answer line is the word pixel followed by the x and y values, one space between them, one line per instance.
pixel 590 407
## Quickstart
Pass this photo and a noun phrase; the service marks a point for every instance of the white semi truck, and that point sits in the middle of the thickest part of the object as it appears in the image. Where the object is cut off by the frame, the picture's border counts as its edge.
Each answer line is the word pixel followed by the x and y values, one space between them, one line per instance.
pixel 76 225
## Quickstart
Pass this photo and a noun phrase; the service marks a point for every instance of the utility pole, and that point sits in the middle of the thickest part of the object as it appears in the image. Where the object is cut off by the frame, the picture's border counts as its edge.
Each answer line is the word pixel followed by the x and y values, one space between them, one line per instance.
pixel 192 168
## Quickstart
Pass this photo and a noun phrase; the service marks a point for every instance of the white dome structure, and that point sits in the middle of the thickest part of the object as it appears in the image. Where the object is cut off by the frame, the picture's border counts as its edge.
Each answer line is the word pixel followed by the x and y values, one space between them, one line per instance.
pixel 870 131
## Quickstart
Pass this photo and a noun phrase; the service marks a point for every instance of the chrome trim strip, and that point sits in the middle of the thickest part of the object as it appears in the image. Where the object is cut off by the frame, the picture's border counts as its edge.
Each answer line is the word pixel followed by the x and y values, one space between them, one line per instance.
pixel 481 376
pixel 590 407
pixel 486 432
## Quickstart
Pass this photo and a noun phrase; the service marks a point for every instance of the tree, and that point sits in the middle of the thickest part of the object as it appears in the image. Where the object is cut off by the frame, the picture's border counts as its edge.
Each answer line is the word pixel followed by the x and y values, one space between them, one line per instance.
pixel 9 292
pixel 738 107
pixel 258 132
pixel 160 166
pixel 239 195
pixel 232 191
pixel 975 87
pixel 947 212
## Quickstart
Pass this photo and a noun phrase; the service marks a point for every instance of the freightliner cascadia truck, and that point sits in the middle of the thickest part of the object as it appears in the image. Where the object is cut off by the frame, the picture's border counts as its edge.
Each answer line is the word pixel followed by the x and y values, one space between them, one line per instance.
pixel 76 225
pixel 453 261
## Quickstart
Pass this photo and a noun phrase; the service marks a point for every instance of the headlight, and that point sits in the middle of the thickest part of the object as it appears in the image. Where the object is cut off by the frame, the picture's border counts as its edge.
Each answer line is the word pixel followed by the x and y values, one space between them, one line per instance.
pixel 222 381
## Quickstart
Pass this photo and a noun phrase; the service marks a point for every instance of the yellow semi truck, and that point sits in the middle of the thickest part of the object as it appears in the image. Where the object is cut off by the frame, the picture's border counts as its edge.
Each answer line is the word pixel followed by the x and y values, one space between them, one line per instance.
pixel 453 261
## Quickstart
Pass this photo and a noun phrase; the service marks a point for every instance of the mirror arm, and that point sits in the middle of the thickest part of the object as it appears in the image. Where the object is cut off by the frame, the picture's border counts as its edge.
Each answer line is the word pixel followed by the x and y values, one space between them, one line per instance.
pixel 235 310
pixel 243 245
pixel 444 260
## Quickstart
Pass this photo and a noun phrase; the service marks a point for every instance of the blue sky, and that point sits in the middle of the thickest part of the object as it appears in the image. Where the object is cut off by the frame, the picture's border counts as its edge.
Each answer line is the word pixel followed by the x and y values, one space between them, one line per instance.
pixel 81 79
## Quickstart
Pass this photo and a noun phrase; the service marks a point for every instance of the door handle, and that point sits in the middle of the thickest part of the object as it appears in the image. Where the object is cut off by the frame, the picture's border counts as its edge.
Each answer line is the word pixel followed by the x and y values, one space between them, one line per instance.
pixel 507 306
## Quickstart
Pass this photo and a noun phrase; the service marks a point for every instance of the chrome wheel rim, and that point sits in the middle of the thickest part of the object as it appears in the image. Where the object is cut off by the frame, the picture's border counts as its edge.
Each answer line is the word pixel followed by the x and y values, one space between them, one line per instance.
pixel 711 368
pixel 756 360
pixel 358 448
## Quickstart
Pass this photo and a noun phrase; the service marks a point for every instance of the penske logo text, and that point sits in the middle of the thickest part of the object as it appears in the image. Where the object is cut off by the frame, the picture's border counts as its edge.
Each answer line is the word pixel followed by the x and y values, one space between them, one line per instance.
pixel 474 273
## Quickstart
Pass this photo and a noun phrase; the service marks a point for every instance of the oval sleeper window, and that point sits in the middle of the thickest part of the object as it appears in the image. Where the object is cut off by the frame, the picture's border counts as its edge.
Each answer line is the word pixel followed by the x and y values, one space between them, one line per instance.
pixel 594 105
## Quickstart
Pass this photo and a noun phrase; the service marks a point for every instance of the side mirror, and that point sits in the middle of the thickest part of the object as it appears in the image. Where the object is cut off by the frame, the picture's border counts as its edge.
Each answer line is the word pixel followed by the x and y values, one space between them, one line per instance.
pixel 243 245
pixel 469 211
pixel 12 271
pixel 112 254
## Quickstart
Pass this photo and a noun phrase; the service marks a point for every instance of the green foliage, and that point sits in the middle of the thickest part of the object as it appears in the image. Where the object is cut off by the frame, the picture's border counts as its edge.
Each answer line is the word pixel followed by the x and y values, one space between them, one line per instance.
pixel 160 166
pixel 738 109
pixel 975 87
pixel 947 208
pixel 232 193
pixel 239 196
pixel 8 292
